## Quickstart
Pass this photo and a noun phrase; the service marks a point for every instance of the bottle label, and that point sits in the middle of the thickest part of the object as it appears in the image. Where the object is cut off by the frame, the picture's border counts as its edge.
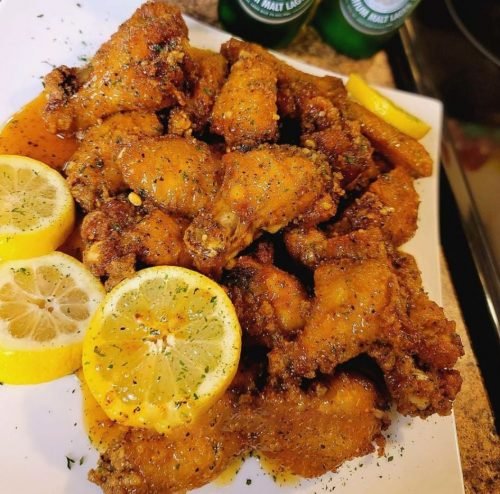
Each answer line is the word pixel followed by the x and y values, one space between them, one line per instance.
pixel 376 16
pixel 275 12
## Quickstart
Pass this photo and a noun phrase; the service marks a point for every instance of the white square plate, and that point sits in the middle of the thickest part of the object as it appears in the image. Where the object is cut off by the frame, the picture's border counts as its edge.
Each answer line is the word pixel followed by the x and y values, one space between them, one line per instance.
pixel 42 425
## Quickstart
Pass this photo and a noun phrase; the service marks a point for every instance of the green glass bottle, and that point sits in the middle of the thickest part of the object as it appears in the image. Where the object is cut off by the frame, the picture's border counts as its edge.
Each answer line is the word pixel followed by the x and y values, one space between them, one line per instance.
pixel 359 28
pixel 269 23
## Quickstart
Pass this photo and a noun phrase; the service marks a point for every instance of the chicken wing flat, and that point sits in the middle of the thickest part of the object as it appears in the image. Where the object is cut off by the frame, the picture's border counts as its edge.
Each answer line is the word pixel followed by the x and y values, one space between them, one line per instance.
pixel 355 305
pixel 245 112
pixel 390 203
pixel 145 462
pixel 271 304
pixel 119 235
pixel 313 247
pixel 263 190
pixel 313 432
pixel 204 80
pixel 92 172
pixel 179 174
pixel 139 68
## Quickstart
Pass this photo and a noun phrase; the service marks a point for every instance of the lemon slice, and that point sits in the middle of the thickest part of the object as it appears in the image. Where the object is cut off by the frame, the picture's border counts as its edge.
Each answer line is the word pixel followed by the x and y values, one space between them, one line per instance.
pixel 163 346
pixel 386 109
pixel 45 306
pixel 37 211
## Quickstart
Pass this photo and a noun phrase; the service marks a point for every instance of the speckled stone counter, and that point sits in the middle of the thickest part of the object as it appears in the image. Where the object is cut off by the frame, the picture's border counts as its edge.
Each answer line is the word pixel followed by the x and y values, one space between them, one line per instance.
pixel 478 441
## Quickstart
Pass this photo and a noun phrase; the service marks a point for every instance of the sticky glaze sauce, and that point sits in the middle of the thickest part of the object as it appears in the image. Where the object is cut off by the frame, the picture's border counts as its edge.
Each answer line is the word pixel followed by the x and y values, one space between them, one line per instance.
pixel 101 430
pixel 280 475
pixel 25 134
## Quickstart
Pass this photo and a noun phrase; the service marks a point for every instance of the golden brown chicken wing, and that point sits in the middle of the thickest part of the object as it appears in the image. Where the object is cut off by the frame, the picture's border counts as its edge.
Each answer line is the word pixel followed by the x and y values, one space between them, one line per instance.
pixel 355 305
pixel 390 203
pixel 92 172
pixel 313 432
pixel 422 381
pixel 180 174
pixel 271 304
pixel 296 90
pixel 375 304
pixel 398 148
pixel 245 112
pixel 263 190
pixel 119 235
pixel 204 80
pixel 139 68
pixel 145 462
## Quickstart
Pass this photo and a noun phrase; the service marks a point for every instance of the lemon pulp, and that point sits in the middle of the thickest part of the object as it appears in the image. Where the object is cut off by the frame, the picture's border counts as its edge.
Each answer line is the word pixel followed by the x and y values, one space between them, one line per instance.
pixel 37 211
pixel 45 306
pixel 163 346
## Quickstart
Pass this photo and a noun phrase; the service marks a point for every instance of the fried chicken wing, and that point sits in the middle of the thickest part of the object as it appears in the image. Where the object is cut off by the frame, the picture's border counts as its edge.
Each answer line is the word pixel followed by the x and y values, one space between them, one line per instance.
pixel 313 432
pixel 390 203
pixel 139 68
pixel 314 101
pixel 92 172
pixel 311 98
pixel 423 380
pixel 271 304
pixel 204 80
pixel 119 235
pixel 263 190
pixel 145 462
pixel 375 304
pixel 399 148
pixel 179 174
pixel 355 305
pixel 245 112
pixel 313 247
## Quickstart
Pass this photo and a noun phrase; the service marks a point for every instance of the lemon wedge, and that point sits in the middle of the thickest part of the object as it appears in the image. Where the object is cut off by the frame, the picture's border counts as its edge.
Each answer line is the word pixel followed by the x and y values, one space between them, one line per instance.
pixel 384 108
pixel 162 348
pixel 45 306
pixel 37 211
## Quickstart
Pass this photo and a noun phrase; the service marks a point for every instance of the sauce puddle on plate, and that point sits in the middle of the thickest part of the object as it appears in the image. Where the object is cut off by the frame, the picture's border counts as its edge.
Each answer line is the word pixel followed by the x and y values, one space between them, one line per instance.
pixel 101 430
pixel 25 134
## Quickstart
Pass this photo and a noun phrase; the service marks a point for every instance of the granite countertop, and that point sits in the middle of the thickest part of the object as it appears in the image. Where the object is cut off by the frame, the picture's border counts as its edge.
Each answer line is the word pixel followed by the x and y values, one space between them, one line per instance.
pixel 478 441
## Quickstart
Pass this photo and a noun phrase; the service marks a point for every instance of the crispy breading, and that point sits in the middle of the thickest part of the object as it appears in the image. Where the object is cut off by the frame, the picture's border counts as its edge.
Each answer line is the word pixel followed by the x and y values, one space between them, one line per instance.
pixel 145 462
pixel 399 148
pixel 390 203
pixel 375 304
pixel 119 235
pixel 263 190
pixel 355 305
pixel 141 67
pixel 205 78
pixel 313 432
pixel 179 174
pixel 245 112
pixel 92 172
pixel 271 304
